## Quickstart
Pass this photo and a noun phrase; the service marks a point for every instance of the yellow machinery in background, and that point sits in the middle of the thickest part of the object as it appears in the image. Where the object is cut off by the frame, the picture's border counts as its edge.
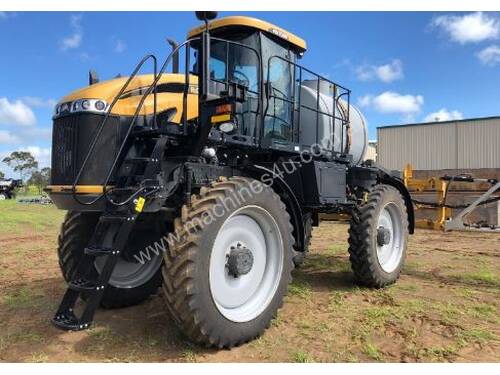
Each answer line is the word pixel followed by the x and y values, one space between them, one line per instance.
pixel 444 219
pixel 420 185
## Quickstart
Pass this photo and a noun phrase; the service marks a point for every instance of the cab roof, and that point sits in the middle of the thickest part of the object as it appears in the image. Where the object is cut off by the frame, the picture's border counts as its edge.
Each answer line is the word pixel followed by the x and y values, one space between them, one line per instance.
pixel 254 23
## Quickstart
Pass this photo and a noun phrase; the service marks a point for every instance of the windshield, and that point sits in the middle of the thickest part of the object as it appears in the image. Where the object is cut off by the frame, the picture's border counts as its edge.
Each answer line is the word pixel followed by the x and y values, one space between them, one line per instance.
pixel 234 63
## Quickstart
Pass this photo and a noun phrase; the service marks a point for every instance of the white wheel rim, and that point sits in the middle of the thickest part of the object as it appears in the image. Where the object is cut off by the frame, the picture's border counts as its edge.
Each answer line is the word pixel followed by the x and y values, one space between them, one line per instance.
pixel 245 297
pixel 2 197
pixel 389 255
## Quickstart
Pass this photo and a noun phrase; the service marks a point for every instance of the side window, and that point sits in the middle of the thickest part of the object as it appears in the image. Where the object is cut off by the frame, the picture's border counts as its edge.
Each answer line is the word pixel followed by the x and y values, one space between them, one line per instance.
pixel 279 73
pixel 217 69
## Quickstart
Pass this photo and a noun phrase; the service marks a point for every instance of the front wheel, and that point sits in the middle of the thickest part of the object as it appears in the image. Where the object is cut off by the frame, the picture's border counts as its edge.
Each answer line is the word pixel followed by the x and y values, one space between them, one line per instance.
pixel 229 263
pixel 378 237
pixel 131 281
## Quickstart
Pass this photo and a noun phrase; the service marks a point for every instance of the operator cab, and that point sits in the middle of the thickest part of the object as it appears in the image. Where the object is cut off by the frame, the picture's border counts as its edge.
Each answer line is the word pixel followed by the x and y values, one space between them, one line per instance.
pixel 262 59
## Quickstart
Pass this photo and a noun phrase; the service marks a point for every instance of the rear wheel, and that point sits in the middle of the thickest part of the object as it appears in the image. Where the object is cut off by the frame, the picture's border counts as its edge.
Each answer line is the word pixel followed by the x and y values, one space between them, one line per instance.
pixel 378 237
pixel 3 197
pixel 227 274
pixel 131 282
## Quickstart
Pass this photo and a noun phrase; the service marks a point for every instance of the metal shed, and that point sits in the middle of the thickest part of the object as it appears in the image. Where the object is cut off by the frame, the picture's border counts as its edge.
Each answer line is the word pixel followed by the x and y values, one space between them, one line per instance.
pixel 458 144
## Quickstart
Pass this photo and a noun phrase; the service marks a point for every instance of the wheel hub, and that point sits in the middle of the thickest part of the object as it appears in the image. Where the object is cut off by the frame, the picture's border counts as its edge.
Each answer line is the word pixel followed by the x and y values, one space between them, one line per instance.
pixel 239 260
pixel 383 236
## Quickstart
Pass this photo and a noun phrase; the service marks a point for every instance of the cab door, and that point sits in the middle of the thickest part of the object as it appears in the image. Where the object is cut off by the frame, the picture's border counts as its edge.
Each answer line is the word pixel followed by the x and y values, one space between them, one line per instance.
pixel 279 101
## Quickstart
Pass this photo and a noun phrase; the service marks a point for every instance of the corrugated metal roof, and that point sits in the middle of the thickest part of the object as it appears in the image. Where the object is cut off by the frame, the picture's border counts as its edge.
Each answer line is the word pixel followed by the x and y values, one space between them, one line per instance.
pixel 439 122
pixel 459 144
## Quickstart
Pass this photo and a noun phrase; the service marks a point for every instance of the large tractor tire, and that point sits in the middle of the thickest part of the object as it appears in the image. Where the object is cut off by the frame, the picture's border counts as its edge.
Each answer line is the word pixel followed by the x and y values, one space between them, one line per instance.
pixel 131 281
pixel 225 277
pixel 378 237
pixel 300 254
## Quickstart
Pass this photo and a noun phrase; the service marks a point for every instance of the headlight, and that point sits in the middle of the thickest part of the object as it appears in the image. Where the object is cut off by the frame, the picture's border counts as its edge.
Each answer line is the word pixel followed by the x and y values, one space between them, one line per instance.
pixel 86 104
pixel 81 105
pixel 100 105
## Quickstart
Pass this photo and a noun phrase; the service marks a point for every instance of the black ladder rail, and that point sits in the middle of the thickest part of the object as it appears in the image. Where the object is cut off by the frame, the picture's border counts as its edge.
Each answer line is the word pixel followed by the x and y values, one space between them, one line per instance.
pixel 65 317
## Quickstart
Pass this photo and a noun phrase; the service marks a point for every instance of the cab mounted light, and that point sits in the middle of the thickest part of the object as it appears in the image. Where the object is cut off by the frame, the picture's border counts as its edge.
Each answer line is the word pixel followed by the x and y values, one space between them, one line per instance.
pixel 223 108
pixel 227 127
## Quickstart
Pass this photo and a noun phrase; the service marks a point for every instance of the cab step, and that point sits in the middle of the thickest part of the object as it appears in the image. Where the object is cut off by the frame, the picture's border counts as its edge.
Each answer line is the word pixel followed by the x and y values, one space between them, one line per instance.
pixel 69 322
pixel 97 251
pixel 83 285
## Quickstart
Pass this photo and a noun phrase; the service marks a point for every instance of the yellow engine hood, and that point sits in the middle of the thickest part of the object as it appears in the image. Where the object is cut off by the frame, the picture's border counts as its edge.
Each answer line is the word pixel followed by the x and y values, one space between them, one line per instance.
pixel 107 90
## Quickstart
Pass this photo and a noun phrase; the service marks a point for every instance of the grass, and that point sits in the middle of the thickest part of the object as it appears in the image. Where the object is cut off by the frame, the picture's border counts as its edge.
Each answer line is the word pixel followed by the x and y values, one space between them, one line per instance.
pixel 189 355
pixel 477 335
pixel 38 357
pixel 482 276
pixel 301 356
pixel 25 336
pixel 16 218
pixel 300 289
pixel 22 298
pixel 337 299
pixel 325 318
pixel 439 353
pixel 337 249
pixel 372 351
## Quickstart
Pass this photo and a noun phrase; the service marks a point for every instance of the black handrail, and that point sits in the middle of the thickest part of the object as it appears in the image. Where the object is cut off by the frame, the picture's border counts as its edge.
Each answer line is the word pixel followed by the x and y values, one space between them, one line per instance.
pixel 344 118
pixel 157 77
pixel 103 122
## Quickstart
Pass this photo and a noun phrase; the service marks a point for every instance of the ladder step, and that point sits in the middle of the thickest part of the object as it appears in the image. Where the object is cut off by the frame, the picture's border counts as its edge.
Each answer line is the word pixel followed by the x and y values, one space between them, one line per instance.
pixel 69 322
pixel 97 251
pixel 138 159
pixel 84 285
pixel 115 218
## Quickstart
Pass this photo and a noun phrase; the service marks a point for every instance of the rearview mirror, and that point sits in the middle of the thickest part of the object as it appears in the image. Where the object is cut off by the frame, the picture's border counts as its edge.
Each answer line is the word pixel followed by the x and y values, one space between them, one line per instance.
pixel 206 16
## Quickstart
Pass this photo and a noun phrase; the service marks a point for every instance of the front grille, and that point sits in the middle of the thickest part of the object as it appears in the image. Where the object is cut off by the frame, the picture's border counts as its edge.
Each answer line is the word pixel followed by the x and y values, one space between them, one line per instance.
pixel 71 139
pixel 64 148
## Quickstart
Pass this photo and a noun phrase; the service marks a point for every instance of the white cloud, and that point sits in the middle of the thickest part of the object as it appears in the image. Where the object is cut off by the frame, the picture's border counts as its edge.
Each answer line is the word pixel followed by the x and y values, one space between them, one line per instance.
pixel 16 113
pixel 393 102
pixel 120 46
pixel 444 115
pixel 365 101
pixel 469 28
pixel 386 73
pixel 490 55
pixel 6 138
pixel 75 39
pixel 37 102
pixel 72 41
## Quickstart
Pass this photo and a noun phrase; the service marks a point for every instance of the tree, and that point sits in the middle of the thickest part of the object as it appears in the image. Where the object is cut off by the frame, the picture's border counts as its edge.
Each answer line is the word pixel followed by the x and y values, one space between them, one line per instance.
pixel 22 162
pixel 2 175
pixel 40 179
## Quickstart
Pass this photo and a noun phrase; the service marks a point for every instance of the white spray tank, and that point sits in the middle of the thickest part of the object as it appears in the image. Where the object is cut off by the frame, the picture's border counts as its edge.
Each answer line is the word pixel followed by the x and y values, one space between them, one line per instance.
pixel 354 139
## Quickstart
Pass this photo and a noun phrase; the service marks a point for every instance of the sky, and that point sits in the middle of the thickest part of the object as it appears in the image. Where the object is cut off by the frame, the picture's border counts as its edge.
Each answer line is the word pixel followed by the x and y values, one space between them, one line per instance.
pixel 401 67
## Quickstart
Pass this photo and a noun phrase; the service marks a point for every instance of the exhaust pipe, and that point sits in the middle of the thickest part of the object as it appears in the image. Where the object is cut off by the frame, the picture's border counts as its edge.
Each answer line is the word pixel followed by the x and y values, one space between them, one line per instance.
pixel 175 57
pixel 93 77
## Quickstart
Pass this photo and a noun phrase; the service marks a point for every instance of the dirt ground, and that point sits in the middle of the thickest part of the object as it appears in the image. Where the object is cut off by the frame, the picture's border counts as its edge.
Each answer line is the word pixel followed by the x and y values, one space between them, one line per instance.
pixel 445 307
